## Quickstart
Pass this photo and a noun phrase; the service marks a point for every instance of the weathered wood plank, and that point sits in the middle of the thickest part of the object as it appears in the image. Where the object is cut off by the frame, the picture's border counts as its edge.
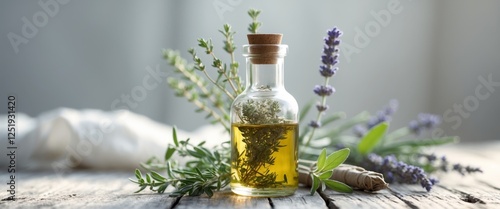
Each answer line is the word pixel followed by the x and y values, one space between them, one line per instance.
pixel 223 199
pixel 359 199
pixel 226 199
pixel 415 196
pixel 81 189
pixel 300 200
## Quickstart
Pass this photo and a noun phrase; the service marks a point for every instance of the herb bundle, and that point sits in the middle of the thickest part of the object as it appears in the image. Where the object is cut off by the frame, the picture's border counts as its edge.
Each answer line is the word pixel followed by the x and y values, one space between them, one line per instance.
pixel 362 140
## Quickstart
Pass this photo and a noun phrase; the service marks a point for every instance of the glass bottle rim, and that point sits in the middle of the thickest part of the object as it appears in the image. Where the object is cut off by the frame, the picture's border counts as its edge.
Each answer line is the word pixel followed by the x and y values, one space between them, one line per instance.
pixel 265 50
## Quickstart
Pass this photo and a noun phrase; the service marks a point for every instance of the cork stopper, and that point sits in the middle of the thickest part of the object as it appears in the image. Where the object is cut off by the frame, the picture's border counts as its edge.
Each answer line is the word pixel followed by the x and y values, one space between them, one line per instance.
pixel 264 48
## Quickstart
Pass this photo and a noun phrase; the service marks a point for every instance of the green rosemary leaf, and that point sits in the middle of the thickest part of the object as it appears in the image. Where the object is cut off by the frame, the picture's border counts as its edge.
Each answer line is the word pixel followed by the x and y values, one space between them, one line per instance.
pixel 371 139
pixel 336 158
pixel 337 186
pixel 138 174
pixel 162 188
pixel 168 154
pixel 141 188
pixel 156 176
pixel 209 192
pixel 321 160
pixel 200 174
pixel 148 178
pixel 174 136
pixel 169 170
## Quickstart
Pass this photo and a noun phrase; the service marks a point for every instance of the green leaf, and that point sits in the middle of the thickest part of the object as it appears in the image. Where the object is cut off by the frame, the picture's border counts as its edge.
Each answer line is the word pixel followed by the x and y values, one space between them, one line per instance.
pixel 168 154
pixel 336 158
pixel 416 143
pixel 174 136
pixel 371 139
pixel 337 186
pixel 142 188
pixel 326 175
pixel 157 176
pixel 138 174
pixel 162 188
pixel 315 184
pixel 209 192
pixel 321 160
pixel 200 174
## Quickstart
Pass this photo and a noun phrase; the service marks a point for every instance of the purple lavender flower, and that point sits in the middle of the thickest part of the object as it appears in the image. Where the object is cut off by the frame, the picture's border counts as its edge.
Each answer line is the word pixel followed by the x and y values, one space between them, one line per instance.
pixel 425 121
pixel 330 53
pixel 465 169
pixel 322 108
pixel 359 130
pixel 443 164
pixel 379 117
pixel 315 124
pixel 323 90
pixel 384 114
pixel 395 170
pixel 327 69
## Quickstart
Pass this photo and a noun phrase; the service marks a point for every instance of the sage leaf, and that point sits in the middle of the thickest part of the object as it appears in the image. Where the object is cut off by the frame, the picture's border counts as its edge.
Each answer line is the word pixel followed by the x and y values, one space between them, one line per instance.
pixel 321 160
pixel 315 183
pixel 371 139
pixel 336 158
pixel 326 175
pixel 337 186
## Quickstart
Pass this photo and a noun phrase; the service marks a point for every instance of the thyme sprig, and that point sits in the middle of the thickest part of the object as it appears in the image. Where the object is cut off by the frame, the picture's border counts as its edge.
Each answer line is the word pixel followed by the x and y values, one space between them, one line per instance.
pixel 196 90
pixel 254 26
pixel 262 131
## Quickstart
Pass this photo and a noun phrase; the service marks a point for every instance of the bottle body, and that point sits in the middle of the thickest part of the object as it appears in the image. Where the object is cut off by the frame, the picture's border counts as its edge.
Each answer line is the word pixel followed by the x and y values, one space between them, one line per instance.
pixel 264 134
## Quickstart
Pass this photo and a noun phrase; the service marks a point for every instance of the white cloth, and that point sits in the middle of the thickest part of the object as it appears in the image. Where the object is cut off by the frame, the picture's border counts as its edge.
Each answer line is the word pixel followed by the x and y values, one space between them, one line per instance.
pixel 64 138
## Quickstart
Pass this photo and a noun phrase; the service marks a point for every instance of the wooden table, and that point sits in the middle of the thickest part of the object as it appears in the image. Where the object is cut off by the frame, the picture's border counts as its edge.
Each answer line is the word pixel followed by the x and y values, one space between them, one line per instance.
pixel 111 189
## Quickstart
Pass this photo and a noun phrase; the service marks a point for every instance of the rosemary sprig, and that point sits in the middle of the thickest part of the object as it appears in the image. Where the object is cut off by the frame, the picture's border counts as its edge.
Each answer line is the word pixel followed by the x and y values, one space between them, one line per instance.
pixel 208 172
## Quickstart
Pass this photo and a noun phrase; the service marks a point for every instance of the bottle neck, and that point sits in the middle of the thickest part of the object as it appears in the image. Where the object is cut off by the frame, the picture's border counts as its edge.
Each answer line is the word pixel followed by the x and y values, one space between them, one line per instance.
pixel 265 77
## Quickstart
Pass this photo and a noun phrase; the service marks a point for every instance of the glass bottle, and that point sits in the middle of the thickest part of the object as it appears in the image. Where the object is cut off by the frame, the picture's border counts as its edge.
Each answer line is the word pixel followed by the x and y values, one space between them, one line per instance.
pixel 264 124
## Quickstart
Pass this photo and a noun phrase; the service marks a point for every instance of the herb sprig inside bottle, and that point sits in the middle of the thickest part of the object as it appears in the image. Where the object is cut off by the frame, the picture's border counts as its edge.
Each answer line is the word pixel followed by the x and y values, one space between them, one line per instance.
pixel 264 129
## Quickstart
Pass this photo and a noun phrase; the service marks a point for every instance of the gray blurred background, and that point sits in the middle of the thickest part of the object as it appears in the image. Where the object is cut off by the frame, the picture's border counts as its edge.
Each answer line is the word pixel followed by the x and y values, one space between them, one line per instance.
pixel 441 57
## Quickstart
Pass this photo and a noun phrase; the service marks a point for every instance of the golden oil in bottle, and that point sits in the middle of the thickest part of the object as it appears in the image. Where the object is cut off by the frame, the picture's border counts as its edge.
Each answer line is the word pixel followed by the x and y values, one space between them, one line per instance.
pixel 264 118
pixel 264 159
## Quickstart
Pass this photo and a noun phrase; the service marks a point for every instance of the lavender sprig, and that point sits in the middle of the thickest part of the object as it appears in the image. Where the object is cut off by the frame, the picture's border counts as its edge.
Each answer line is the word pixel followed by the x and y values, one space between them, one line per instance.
pixel 425 121
pixel 442 163
pixel 327 70
pixel 384 115
pixel 399 171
